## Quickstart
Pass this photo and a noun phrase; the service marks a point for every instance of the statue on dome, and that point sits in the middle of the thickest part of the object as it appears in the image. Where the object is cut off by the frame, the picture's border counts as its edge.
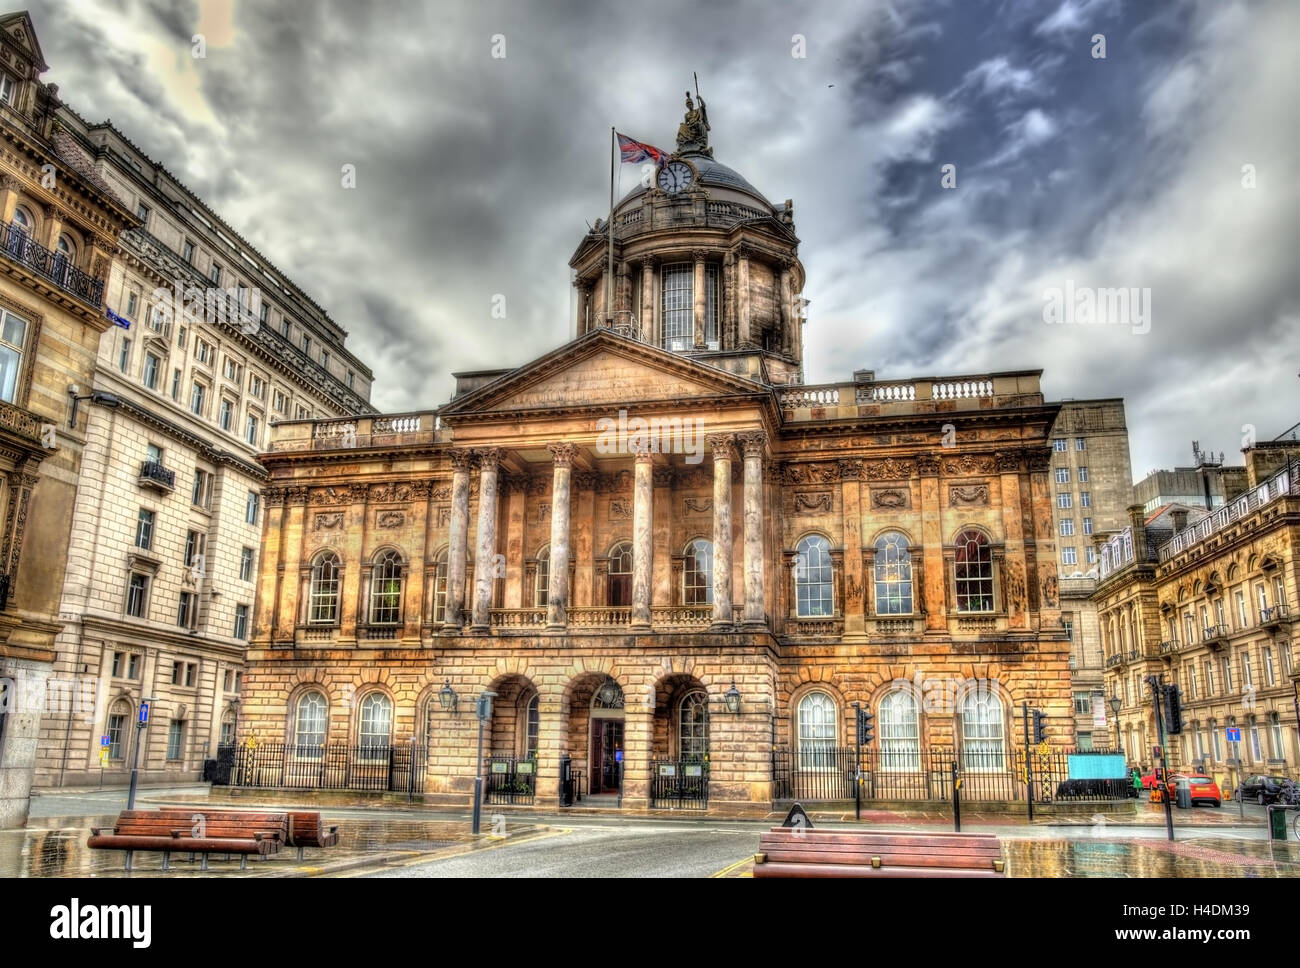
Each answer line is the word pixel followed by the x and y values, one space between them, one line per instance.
pixel 693 132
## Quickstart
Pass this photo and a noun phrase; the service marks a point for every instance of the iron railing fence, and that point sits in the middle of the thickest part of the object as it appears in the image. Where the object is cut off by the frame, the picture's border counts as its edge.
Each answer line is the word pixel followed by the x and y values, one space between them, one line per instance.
pixel 987 775
pixel 331 766
pixel 507 779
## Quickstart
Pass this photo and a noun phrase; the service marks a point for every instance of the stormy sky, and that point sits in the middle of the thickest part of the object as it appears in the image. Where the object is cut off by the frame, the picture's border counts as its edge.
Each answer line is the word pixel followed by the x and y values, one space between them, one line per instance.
pixel 1167 165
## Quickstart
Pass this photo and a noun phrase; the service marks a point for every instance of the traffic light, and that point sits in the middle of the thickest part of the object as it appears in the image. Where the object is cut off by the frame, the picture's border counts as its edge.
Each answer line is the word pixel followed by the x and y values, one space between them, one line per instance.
pixel 865 727
pixel 1173 710
pixel 1040 727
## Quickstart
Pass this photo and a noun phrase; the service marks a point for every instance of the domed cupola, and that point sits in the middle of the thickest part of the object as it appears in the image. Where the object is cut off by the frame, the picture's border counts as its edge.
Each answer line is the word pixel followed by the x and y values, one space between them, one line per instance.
pixel 704 264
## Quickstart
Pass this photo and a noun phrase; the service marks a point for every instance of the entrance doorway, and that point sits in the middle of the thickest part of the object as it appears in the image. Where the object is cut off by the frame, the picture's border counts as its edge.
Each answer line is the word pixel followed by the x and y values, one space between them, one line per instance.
pixel 606 744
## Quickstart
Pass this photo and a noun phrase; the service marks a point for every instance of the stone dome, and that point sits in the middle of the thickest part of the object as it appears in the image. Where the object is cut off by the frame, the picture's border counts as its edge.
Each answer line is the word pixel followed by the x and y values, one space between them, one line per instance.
pixel 714 175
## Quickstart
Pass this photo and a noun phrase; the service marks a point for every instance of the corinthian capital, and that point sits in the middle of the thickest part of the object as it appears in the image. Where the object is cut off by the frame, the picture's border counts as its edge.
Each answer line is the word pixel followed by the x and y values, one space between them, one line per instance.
pixel 563 452
pixel 722 446
pixel 753 442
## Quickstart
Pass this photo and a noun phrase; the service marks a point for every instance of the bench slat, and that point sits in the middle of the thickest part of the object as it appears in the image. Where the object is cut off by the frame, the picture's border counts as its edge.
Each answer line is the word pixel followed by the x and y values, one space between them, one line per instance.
pixel 844 870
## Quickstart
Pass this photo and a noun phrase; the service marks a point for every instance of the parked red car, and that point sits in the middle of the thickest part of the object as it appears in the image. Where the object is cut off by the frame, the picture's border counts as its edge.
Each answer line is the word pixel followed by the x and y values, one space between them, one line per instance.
pixel 1202 788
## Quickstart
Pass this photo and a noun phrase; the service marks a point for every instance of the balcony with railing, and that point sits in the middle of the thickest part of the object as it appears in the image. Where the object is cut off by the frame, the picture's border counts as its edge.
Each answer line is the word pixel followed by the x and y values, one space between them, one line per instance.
pixel 1215 636
pixel 54 267
pixel 1169 647
pixel 1271 618
pixel 1284 482
pixel 1114 660
pixel 340 433
pixel 928 394
pixel 154 475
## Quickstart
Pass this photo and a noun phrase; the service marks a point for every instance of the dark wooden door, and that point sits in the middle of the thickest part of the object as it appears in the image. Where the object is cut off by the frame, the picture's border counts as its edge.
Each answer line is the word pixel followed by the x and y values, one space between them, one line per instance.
pixel 606 743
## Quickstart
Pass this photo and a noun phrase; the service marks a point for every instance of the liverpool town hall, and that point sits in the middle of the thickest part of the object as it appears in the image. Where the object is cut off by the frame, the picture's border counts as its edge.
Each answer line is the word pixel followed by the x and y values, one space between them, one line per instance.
pixel 677 569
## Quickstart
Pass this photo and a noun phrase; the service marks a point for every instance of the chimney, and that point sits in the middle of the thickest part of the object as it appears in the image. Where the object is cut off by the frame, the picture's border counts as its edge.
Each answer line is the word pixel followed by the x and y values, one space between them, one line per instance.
pixel 1179 516
pixel 1137 522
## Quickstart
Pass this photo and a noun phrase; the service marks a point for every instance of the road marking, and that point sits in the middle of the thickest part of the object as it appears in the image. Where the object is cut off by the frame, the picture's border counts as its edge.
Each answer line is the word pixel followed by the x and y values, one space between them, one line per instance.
pixel 454 853
pixel 731 867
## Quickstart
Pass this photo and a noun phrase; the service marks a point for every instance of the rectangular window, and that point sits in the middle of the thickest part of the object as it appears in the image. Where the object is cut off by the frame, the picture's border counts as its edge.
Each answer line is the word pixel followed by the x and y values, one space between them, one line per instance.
pixel 1063 500
pixel 226 413
pixel 153 454
pixel 185 611
pixel 351 377
pixel 1080 443
pixel 278 401
pixel 214 274
pixel 124 355
pixel 325 358
pixel 136 589
pixel 264 313
pixel 246 564
pixel 1209 678
pixel 1279 593
pixel 1247 671
pixel 198 399
pixel 151 364
pixel 203 351
pixel 132 304
pixel 201 495
pixel 250 508
pixel 142 210
pixel 133 666
pixel 1227 675
pixel 176 385
pixel 1069 556
pixel 187 252
pixel 1085 499
pixel 6 89
pixel 175 736
pixel 251 425
pixel 116 727
pixel 1091 555
pixel 1087 525
pixel 1063 475
pixel 1083 475
pixel 1067 527
pixel 284 328
pixel 1058 445
pixel 231 371
pixel 678 306
pixel 1083 703
pixel 181 333
pixel 241 621
pixel 195 541
pixel 144 529
pixel 256 386
pixel 306 344
pixel 1270 678
pixel 191 673
pixel 303 413
pixel 118 657
pixel 1191 681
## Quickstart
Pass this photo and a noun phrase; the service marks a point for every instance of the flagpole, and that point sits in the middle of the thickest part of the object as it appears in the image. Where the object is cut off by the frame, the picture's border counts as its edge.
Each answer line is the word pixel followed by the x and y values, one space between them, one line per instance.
pixel 609 227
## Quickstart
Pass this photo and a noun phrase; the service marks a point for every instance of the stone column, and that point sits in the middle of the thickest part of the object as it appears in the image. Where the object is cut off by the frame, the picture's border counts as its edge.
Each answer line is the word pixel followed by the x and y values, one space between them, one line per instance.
pixel 584 302
pixel 647 298
pixel 557 599
pixel 723 452
pixel 743 336
pixel 352 601
pixel 855 626
pixel 661 569
pixel 413 606
pixel 701 305
pixel 485 551
pixel 1013 593
pixel 933 592
pixel 642 537
pixel 458 533
pixel 753 443
pixel 787 306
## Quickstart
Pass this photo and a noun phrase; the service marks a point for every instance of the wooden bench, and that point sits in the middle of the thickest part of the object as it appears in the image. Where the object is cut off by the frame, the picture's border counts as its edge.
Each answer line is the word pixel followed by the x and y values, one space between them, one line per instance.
pixel 306 830
pixel 195 830
pixel 819 852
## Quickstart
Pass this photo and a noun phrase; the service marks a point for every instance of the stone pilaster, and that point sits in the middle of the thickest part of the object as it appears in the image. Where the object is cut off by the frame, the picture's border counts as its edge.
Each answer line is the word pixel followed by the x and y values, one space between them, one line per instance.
pixel 489 459
pixel 557 601
pixel 933 591
pixel 744 337
pixel 458 534
pixel 701 304
pixel 723 452
pixel 647 298
pixel 854 577
pixel 753 444
pixel 353 601
pixel 642 538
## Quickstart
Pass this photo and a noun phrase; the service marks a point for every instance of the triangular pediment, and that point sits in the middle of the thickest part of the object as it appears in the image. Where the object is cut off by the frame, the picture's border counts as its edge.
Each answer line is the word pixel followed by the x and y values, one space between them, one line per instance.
pixel 598 370
pixel 19 31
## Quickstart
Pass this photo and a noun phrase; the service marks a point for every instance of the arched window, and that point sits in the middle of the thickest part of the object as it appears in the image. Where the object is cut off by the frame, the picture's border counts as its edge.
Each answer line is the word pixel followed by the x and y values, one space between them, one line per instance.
pixel 542 583
pixel 533 720
pixel 20 232
pixel 973 572
pixel 697 573
pixel 812 577
pixel 65 255
pixel 982 745
pixel 440 587
pixel 693 727
pixel 817 725
pixel 376 725
pixel 620 575
pixel 386 589
pixel 900 732
pixel 893 575
pixel 309 723
pixel 119 735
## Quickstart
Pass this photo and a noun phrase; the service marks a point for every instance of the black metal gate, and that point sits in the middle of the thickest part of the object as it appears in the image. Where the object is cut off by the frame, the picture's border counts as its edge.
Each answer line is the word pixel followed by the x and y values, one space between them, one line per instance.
pixel 507 779
pixel 679 784
pixel 394 769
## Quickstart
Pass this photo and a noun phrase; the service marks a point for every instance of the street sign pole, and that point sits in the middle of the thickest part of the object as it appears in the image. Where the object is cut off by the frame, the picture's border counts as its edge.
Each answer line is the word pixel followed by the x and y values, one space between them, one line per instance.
pixel 1236 755
pixel 857 762
pixel 1029 772
pixel 141 724
pixel 1157 694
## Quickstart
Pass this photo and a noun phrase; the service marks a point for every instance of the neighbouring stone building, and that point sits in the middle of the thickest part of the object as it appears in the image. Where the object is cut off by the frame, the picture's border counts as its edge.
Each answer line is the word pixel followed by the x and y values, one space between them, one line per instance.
pixel 663 553
pixel 214 344
pixel 1092 481
pixel 59 225
pixel 1207 600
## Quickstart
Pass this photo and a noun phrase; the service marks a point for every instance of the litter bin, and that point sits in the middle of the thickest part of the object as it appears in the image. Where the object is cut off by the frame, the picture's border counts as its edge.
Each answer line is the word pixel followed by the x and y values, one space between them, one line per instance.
pixel 566 781
pixel 1184 796
pixel 1276 822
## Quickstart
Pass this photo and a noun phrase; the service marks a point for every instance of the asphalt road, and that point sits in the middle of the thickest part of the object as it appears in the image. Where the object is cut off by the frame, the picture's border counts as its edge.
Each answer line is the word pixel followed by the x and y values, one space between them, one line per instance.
pixel 599 850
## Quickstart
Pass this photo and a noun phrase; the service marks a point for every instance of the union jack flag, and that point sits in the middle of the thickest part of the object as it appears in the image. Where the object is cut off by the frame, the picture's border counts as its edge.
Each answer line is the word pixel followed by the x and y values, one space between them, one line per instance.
pixel 634 151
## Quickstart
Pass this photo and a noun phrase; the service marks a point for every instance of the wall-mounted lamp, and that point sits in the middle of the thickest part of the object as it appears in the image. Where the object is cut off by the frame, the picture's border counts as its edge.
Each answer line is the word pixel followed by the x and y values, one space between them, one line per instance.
pixel 98 397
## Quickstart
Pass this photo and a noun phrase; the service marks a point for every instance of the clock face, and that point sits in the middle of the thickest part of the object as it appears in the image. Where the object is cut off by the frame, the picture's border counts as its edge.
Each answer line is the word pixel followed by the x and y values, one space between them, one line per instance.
pixel 676 176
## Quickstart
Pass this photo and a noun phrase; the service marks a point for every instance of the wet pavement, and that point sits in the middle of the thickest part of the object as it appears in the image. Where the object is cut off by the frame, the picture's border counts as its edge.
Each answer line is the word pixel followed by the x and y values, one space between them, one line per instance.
pixel 413 840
